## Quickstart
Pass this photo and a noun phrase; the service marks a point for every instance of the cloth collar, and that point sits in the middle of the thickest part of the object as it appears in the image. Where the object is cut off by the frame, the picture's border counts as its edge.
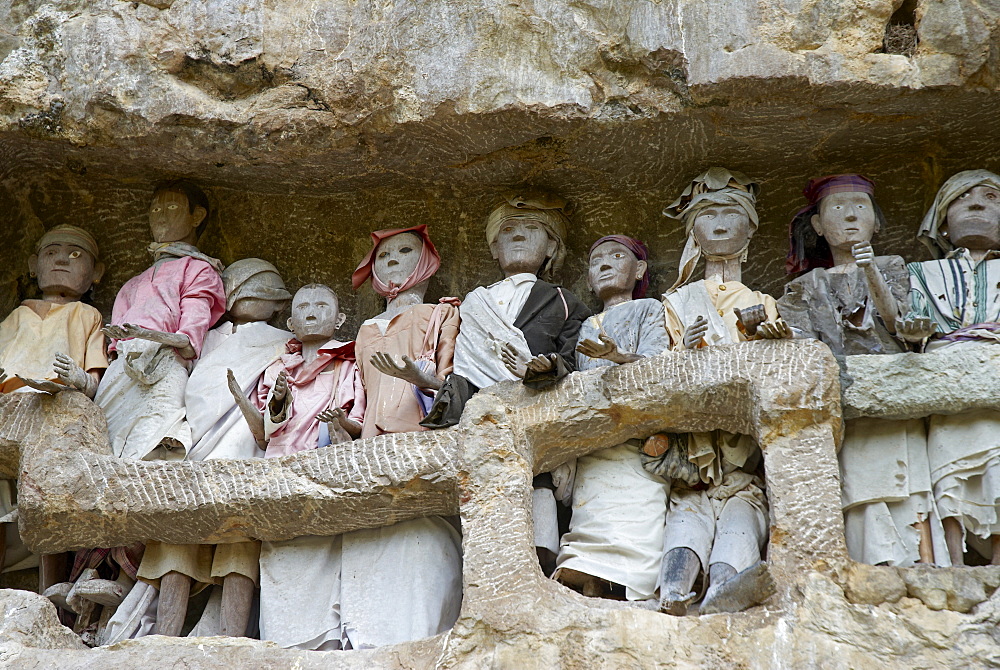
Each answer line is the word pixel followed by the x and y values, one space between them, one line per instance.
pixel 161 250
pixel 517 280
pixel 962 252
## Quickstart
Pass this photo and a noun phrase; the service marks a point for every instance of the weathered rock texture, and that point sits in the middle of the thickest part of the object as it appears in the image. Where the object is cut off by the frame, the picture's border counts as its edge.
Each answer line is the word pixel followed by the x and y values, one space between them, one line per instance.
pixel 828 612
pixel 314 123
pixel 906 386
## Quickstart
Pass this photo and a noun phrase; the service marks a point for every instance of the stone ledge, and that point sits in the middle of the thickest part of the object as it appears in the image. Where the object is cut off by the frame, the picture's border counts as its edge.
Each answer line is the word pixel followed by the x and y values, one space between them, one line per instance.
pixel 909 386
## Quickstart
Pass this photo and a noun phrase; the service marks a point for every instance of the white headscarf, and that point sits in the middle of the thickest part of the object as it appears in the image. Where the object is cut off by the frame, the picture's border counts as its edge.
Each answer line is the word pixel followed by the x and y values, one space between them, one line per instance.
pixel 716 186
pixel 959 183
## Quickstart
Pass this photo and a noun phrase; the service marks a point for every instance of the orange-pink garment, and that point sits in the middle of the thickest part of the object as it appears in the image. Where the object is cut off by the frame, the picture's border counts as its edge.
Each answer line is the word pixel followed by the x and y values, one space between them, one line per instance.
pixel 183 296
pixel 392 406
pixel 330 381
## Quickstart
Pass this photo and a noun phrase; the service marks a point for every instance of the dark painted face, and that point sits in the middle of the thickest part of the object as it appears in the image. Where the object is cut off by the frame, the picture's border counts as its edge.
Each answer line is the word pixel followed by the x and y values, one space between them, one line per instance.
pixel 65 268
pixel 722 229
pixel 973 219
pixel 613 269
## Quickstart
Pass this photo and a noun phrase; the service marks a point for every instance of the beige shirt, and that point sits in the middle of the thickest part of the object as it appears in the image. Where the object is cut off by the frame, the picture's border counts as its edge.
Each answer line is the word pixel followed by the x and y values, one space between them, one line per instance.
pixel 30 339
pixel 724 298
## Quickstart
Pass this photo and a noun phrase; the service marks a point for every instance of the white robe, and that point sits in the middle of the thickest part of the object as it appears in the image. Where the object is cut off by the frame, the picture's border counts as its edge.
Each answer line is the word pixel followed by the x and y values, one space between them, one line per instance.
pixel 486 326
pixel 142 395
pixel 619 509
pixel 217 424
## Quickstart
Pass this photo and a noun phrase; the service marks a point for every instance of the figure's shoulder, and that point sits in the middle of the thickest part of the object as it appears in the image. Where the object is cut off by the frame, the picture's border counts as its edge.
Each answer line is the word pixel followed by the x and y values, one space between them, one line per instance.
pixel 647 305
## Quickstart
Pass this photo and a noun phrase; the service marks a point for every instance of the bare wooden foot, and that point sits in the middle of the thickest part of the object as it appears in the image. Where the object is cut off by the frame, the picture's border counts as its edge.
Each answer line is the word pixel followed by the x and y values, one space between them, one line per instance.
pixel 175 589
pixel 3 544
pixel 926 546
pixel 237 600
pixel 953 538
pixel 996 550
pixel 678 571
pixel 581 582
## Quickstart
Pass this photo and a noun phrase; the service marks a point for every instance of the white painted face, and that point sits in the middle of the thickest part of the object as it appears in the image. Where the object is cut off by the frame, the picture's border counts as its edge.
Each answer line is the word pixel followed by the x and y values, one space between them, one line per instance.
pixel 316 314
pixel 396 257
pixel 65 269
pixel 522 245
pixel 722 230
pixel 973 219
pixel 613 270
pixel 845 219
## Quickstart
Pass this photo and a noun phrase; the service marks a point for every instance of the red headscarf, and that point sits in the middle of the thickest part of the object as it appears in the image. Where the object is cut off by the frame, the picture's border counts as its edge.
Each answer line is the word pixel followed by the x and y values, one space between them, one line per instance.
pixel 427 265
pixel 806 250
pixel 638 250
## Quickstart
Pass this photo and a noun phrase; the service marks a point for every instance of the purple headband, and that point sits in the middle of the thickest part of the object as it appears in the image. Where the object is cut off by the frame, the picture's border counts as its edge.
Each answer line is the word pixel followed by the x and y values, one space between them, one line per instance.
pixel 638 250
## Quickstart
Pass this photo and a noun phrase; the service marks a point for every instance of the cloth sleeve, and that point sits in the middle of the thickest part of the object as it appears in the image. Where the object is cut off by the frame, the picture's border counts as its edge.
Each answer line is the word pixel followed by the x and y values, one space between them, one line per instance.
pixel 262 398
pixel 653 336
pixel 351 394
pixel 444 357
pixel 794 308
pixel 674 325
pixel 202 302
pixel 95 355
pixel 118 311
pixel 565 345
pixel 918 302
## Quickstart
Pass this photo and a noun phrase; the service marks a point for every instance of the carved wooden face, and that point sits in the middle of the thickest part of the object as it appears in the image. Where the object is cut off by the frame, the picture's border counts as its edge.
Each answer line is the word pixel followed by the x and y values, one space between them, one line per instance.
pixel 845 219
pixel 613 270
pixel 397 257
pixel 316 314
pixel 65 269
pixel 171 219
pixel 722 230
pixel 973 219
pixel 522 245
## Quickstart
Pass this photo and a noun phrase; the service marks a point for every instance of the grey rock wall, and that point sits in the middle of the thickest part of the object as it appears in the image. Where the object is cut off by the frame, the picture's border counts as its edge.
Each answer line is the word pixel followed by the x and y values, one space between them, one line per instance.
pixel 313 123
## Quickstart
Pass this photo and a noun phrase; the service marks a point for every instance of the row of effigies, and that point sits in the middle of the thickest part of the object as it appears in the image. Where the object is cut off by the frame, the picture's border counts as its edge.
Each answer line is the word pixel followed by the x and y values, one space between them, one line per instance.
pixel 667 521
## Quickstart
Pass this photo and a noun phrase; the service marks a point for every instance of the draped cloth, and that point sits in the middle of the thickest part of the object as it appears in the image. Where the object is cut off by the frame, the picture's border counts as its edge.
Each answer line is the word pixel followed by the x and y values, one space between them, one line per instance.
pixel 727 520
pixel 175 250
pixel 427 265
pixel 218 431
pixel 400 582
pixel 884 471
pixel 330 381
pixel 806 249
pixel 715 187
pixel 930 228
pixel 300 584
pixel 616 531
pixel 485 329
pixel 142 395
pixel 217 424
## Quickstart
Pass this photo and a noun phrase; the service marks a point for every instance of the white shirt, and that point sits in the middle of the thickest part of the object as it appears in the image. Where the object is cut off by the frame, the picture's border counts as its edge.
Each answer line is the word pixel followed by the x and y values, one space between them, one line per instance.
pixel 511 293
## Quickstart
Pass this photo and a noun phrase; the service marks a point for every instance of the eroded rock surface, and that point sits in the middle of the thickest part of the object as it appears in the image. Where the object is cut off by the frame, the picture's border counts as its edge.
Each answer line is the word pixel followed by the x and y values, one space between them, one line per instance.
pixel 313 124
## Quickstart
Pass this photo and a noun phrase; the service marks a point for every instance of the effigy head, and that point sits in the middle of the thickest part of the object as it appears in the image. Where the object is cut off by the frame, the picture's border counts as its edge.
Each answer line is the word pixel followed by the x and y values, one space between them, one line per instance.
pixel 618 264
pixel 66 262
pixel 527 232
pixel 965 213
pixel 316 314
pixel 254 290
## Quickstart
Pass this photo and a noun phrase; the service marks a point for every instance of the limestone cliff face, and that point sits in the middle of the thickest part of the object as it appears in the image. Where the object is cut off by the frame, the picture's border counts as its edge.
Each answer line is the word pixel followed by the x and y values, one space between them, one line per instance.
pixel 314 123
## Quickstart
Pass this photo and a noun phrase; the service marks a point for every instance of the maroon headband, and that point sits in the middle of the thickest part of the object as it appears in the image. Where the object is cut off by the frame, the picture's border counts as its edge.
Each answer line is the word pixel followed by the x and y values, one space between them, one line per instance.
pixel 638 250
pixel 805 252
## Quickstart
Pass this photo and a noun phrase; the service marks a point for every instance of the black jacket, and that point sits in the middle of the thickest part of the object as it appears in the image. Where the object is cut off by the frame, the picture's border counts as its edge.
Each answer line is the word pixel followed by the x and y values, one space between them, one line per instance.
pixel 550 321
